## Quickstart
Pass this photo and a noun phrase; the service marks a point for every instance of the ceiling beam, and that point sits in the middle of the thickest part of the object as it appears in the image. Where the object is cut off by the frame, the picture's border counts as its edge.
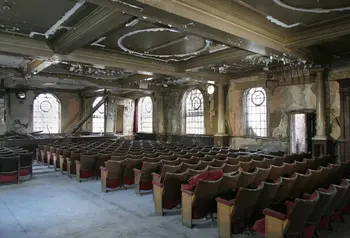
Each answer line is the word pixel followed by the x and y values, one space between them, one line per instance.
pixel 37 65
pixel 133 79
pixel 39 49
pixel 228 55
pixel 161 12
pixel 318 35
pixel 101 21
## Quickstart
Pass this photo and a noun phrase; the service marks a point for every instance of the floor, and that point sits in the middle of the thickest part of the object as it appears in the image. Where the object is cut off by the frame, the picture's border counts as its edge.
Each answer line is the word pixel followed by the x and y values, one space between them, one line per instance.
pixel 52 205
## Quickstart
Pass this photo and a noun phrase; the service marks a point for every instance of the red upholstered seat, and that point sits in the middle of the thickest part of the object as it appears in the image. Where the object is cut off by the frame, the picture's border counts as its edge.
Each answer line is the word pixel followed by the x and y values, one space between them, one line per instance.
pixel 212 175
pixel 259 226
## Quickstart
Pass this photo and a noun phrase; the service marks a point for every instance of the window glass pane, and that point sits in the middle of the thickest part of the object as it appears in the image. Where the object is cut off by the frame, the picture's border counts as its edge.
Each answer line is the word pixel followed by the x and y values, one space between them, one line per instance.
pixel 46 113
pixel 194 112
pixel 145 115
pixel 98 118
pixel 256 116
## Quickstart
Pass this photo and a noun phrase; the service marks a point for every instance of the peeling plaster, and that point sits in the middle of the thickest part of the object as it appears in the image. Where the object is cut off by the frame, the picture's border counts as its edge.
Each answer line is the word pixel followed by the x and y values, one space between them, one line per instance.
pixel 311 10
pixel 282 24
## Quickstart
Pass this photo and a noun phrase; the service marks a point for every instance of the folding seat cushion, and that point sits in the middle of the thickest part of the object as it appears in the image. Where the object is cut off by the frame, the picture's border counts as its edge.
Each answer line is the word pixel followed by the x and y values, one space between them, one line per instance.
pixel 267 195
pixel 9 168
pixel 325 197
pixel 298 187
pixel 261 175
pixel 130 165
pixel 85 167
pixel 289 168
pixel 167 195
pixel 212 168
pixel 186 166
pixel 204 176
pixel 285 188
pixel 218 163
pixel 228 168
pixel 244 158
pixel 276 172
pixel 260 163
pixel 200 202
pixel 310 163
pixel 228 185
pixel 234 214
pixel 151 159
pixel 276 224
pixel 233 161
pixel 246 178
pixel 340 191
pixel 312 184
pixel 71 165
pixel 247 166
pixel 112 175
pixel 25 162
pixel 118 157
pixel 144 177
pixel 193 172
pixel 171 162
pixel 166 169
pixel 101 158
pixel 300 166
pixel 343 203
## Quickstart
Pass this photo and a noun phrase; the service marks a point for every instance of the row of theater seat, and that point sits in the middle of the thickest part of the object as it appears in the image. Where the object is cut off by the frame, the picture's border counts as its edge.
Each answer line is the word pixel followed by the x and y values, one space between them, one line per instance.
pixel 15 164
pixel 250 198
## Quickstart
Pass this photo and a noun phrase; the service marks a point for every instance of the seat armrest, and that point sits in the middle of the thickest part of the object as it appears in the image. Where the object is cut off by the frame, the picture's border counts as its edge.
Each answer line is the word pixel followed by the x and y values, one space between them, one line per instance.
pixel 188 192
pixel 103 168
pixel 158 184
pixel 289 205
pixel 77 162
pixel 272 213
pixel 226 202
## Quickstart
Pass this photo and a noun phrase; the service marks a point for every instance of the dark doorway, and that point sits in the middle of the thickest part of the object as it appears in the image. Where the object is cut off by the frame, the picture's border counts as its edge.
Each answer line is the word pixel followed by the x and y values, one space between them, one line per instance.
pixel 302 130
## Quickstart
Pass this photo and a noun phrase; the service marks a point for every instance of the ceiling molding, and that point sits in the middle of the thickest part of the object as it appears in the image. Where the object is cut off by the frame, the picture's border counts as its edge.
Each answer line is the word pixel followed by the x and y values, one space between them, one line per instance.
pixel 232 54
pixel 229 17
pixel 38 49
pixel 318 35
pixel 101 21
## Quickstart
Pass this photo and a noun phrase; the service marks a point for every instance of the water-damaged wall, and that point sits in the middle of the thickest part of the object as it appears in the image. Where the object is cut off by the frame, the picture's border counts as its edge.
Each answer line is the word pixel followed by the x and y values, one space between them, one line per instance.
pixel 19 112
pixel 281 102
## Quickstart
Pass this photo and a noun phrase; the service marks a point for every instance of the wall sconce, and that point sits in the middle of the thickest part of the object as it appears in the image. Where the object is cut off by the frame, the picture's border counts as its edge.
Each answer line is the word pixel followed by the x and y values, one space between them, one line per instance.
pixel 21 95
pixel 210 89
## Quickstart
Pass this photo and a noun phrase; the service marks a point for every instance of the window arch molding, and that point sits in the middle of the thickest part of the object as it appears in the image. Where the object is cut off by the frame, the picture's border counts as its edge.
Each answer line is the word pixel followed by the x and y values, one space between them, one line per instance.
pixel 145 114
pixel 193 108
pixel 98 118
pixel 47 113
pixel 255 110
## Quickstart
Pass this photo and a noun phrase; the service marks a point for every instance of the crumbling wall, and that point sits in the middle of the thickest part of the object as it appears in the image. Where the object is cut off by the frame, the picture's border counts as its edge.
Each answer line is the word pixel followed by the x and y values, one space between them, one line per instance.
pixel 174 114
pixel 19 112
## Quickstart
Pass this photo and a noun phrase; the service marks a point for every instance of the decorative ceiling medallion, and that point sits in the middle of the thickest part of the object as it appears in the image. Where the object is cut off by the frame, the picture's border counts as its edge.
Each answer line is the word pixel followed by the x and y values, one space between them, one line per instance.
pixel 258 97
pixel 146 54
pixel 311 10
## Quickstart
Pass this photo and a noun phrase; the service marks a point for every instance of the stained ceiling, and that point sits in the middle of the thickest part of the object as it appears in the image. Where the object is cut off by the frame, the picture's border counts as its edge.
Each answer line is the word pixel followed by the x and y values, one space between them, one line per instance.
pixel 145 46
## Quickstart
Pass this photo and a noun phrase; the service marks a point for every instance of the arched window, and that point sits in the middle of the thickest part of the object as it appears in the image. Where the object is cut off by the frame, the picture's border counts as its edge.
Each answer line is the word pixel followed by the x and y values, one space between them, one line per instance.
pixel 256 115
pixel 98 118
pixel 194 109
pixel 47 113
pixel 145 115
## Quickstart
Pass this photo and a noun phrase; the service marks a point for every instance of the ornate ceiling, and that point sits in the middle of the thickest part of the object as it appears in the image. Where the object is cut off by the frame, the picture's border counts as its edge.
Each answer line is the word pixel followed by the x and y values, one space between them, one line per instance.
pixel 130 44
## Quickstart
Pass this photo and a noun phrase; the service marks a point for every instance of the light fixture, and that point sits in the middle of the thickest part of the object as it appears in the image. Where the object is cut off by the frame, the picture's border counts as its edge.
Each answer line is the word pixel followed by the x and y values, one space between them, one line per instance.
pixel 21 95
pixel 210 89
